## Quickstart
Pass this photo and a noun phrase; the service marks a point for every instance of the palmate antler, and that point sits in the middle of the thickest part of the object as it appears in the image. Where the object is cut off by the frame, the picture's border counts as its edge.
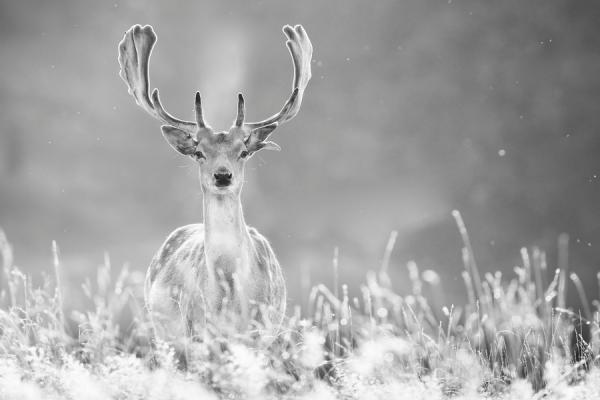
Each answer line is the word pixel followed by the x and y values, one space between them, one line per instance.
pixel 134 56
pixel 301 50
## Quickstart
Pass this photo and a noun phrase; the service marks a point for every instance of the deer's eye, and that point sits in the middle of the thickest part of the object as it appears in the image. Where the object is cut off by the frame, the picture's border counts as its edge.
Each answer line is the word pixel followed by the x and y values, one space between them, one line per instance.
pixel 244 154
pixel 199 155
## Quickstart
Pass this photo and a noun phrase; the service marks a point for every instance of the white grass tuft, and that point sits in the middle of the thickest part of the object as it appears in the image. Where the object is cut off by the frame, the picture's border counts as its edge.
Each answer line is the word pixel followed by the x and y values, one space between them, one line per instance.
pixel 511 340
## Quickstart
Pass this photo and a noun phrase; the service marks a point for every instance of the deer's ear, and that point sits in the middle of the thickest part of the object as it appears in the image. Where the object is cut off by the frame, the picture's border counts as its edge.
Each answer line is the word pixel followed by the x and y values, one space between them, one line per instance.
pixel 180 140
pixel 257 138
pixel 269 146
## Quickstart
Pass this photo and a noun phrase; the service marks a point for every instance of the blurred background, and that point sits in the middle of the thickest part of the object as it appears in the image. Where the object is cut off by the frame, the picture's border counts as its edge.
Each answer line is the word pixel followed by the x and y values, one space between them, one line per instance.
pixel 415 108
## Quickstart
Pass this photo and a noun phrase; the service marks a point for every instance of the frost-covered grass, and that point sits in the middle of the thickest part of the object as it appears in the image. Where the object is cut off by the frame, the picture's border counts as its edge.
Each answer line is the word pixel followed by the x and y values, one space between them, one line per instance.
pixel 513 339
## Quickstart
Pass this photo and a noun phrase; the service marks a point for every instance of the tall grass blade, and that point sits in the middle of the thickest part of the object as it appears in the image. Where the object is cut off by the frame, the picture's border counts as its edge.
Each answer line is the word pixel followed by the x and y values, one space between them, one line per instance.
pixel 587 310
pixel 7 263
pixel 470 263
pixel 563 265
pixel 384 277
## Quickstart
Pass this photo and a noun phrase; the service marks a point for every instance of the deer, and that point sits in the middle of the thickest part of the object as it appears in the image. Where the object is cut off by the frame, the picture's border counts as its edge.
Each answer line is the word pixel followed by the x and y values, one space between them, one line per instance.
pixel 221 266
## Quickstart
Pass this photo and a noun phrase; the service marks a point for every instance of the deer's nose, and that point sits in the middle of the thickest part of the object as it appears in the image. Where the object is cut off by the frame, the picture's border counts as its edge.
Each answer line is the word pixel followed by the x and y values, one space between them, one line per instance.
pixel 222 177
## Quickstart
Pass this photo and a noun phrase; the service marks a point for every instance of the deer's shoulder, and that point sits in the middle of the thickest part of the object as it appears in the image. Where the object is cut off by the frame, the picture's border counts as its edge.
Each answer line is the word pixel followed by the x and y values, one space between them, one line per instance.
pixel 257 237
pixel 183 242
pixel 268 263
pixel 184 233
pixel 262 246
pixel 188 237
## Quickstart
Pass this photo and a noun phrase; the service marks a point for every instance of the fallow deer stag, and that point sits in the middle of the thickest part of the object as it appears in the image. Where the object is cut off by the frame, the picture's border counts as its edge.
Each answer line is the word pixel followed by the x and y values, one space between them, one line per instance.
pixel 221 266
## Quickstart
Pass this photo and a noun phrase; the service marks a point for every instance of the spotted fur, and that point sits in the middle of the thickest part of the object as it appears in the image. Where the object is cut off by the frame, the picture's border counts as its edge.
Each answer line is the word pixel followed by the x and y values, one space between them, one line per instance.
pixel 181 292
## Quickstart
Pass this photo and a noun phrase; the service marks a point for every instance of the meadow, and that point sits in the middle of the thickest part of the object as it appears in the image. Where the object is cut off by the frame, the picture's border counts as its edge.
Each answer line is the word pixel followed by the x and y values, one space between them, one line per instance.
pixel 515 338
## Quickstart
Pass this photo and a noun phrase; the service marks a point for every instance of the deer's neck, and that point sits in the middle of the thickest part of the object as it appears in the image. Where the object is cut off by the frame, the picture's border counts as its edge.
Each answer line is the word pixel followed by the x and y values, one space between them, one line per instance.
pixel 226 237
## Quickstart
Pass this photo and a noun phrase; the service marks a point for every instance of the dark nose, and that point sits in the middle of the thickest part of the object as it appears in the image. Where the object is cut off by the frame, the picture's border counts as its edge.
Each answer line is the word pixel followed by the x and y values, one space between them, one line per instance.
pixel 222 177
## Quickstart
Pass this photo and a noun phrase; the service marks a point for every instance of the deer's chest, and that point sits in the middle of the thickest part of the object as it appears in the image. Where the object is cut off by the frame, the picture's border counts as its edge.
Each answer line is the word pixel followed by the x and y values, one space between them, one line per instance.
pixel 227 255
pixel 232 266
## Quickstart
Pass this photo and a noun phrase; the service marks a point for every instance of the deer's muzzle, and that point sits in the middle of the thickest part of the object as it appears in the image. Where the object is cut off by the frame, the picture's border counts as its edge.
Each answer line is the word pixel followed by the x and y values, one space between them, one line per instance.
pixel 222 178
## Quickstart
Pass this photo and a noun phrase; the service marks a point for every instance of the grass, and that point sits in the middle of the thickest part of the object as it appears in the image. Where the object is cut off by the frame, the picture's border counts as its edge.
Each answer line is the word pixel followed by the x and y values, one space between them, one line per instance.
pixel 513 339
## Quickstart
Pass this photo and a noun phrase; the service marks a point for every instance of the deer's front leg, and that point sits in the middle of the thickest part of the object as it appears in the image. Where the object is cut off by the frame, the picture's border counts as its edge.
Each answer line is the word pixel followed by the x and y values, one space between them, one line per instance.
pixel 169 312
pixel 177 308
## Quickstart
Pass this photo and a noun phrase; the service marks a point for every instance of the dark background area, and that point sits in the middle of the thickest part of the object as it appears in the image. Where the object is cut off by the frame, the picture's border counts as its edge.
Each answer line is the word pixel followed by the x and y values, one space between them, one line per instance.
pixel 415 108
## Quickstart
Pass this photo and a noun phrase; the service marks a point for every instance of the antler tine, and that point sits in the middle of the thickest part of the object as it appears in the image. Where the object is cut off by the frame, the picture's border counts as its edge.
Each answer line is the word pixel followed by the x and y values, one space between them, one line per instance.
pixel 134 56
pixel 300 49
pixel 199 116
pixel 239 121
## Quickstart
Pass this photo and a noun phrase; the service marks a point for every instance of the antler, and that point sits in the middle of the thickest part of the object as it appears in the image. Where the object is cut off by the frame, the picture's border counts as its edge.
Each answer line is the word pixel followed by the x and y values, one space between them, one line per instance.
pixel 301 51
pixel 134 57
pixel 239 120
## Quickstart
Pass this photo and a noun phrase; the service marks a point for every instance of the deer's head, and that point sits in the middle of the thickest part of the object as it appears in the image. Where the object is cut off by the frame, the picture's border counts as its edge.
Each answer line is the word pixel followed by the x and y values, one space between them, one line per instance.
pixel 221 155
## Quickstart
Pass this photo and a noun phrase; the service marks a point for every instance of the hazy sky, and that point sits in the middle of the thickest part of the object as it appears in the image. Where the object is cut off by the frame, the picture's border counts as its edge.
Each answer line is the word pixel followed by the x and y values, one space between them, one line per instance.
pixel 415 108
